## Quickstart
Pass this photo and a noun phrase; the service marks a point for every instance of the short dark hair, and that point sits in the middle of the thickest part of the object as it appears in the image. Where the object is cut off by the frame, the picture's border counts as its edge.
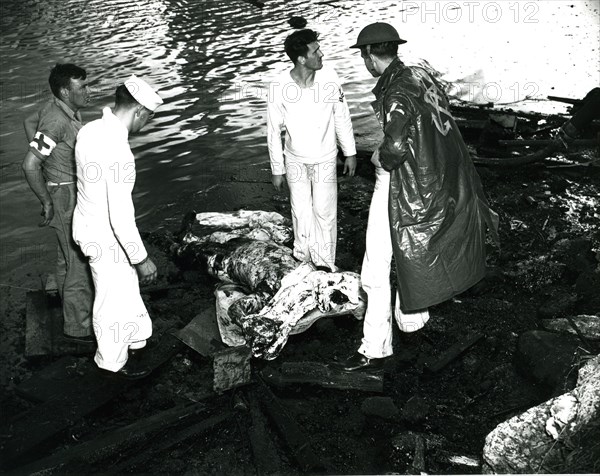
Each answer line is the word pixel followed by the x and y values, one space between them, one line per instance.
pixel 123 98
pixel 297 43
pixel 61 76
pixel 389 49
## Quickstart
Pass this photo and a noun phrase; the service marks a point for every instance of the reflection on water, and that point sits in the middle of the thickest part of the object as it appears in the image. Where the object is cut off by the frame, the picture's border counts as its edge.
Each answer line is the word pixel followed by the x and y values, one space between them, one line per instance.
pixel 211 60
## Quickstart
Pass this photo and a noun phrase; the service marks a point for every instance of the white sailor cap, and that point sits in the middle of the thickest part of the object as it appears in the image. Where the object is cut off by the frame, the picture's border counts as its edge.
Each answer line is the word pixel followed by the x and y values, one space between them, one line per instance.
pixel 143 92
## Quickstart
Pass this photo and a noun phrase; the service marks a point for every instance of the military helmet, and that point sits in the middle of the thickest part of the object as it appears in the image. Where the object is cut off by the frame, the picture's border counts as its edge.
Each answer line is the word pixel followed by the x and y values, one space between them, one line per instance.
pixel 377 33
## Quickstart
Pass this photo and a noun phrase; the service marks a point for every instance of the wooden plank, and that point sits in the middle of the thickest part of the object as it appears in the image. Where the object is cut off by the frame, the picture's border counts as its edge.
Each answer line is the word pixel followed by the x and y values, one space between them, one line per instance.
pixel 232 368
pixel 435 364
pixel 70 403
pixel 38 325
pixel 318 373
pixel 44 329
pixel 42 385
pixel 114 441
pixel 293 435
pixel 231 365
pixel 202 333
pixel 544 142
pixel 196 429
pixel 266 458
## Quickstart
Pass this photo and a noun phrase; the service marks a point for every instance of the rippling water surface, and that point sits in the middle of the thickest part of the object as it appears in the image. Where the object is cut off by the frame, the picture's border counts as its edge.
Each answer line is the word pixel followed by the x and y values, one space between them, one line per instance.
pixel 211 60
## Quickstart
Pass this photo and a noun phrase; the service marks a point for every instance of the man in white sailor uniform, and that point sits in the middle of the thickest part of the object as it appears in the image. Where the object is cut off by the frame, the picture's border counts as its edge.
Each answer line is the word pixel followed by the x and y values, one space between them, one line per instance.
pixel 49 168
pixel 308 102
pixel 104 227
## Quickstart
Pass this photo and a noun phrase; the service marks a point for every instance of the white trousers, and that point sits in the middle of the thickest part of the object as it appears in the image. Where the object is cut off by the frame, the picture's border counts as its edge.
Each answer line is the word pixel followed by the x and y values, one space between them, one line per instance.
pixel 313 196
pixel 375 276
pixel 120 318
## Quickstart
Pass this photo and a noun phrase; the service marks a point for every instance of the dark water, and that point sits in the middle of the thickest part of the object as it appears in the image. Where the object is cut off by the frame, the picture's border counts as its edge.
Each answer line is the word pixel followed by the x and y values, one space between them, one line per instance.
pixel 211 60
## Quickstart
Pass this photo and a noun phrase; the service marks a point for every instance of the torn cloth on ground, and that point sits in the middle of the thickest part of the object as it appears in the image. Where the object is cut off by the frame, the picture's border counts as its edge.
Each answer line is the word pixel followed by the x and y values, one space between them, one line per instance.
pixel 305 296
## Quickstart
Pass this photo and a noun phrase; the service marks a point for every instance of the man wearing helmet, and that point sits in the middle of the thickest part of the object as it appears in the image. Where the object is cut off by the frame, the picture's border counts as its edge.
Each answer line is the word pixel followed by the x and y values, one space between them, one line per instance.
pixel 428 209
pixel 308 102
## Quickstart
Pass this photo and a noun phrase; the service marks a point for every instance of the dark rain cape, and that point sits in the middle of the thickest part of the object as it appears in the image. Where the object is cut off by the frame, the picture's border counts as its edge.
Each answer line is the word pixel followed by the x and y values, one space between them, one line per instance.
pixel 438 211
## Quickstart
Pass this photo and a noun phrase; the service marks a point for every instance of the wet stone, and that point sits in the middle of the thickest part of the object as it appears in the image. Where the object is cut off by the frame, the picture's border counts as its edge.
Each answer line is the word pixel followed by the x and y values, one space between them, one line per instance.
pixel 558 304
pixel 382 407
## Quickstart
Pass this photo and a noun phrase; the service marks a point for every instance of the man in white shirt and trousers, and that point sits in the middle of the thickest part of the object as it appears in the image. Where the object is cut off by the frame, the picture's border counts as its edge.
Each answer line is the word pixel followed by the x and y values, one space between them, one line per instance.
pixel 105 229
pixel 309 103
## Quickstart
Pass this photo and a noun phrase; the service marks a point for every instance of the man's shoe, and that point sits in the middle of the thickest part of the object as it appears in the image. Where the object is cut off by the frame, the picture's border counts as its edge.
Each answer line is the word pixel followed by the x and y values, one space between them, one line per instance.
pixel 129 372
pixel 89 340
pixel 360 362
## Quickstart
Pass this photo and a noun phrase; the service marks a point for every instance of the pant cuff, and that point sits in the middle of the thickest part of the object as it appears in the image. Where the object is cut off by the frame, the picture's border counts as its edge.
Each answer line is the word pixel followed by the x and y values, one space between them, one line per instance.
pixel 110 366
pixel 374 355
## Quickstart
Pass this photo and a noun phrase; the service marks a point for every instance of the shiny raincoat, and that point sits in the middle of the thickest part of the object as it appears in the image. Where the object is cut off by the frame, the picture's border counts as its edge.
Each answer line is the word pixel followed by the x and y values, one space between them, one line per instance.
pixel 438 211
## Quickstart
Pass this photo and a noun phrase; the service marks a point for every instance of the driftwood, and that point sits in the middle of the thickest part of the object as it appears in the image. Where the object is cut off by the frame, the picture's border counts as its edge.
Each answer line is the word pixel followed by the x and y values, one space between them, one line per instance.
pixel 231 368
pixel 435 364
pixel 172 441
pixel 231 365
pixel 293 435
pixel 114 441
pixel 266 458
pixel 42 385
pixel 317 373
pixel 71 402
pixel 44 329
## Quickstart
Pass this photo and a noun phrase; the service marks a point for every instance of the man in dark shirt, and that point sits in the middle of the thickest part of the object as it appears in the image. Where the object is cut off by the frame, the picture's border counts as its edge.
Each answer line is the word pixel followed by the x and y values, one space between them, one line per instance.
pixel 49 167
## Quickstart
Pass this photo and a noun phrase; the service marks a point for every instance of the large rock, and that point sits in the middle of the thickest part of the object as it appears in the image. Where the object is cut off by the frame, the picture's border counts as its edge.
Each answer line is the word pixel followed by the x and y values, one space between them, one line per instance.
pixel 553 437
pixel 558 304
pixel 547 358
pixel 382 407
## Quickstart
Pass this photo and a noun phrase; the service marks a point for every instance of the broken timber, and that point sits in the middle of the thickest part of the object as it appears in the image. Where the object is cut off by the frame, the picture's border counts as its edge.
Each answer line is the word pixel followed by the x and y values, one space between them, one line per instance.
pixel 231 365
pixel 545 142
pixel 114 441
pixel 71 402
pixel 173 440
pixel 44 329
pixel 266 458
pixel 318 373
pixel 293 435
pixel 435 364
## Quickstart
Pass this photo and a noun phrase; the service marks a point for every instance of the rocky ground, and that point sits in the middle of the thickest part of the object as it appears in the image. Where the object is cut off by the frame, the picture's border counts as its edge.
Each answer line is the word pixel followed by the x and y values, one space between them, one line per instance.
pixel 548 266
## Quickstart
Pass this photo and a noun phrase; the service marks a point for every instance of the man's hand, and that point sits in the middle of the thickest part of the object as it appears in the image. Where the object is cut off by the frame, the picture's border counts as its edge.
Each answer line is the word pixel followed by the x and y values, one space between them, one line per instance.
pixel 278 181
pixel 146 271
pixel 47 213
pixel 375 158
pixel 350 165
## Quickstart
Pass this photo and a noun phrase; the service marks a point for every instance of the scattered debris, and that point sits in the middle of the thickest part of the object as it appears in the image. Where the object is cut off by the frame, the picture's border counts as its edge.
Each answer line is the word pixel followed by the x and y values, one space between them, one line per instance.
pixel 435 364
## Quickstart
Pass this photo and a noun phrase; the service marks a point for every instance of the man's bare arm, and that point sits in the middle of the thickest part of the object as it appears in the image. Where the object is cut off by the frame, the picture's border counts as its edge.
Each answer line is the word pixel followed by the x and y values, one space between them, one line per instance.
pixel 32 167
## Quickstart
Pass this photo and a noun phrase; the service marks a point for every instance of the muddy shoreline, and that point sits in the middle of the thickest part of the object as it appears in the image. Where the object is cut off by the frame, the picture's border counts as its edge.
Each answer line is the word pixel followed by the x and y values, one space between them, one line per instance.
pixel 539 207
